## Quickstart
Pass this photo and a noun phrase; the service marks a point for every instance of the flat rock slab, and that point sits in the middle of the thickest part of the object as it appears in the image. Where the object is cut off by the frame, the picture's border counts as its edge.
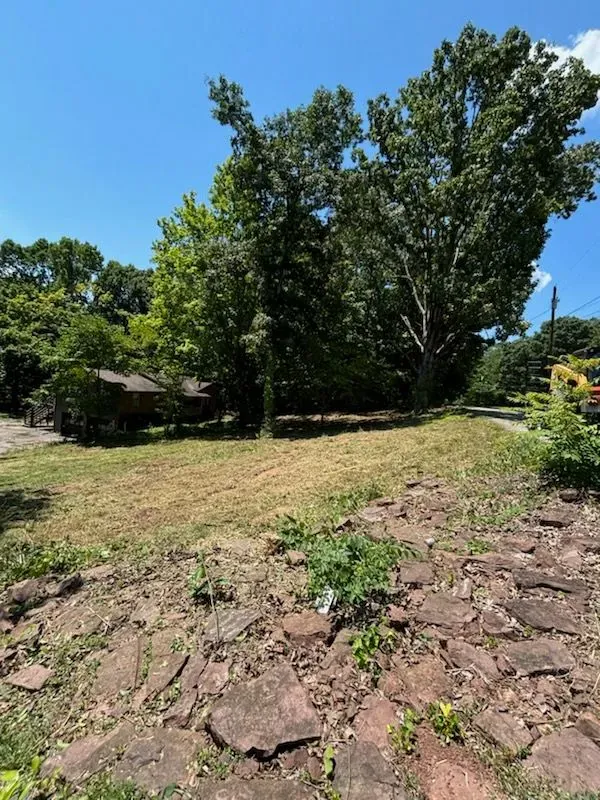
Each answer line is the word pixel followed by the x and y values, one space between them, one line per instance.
pixel 180 712
pixel 264 714
pixel 494 562
pixel 465 656
pixel 119 670
pixel 542 615
pixel 539 657
pixel 362 772
pixel 503 729
pixel 415 536
pixel 455 782
pixel 164 670
pixel 192 672
pixel 557 517
pixel 532 579
pixel 85 620
pixel 417 573
pixel 164 758
pixel 425 682
pixel 569 758
pixel 445 610
pixel 32 678
pixel 372 722
pixel 256 789
pixel 85 757
pixel 225 626
pixel 589 724
pixel 214 678
pixel 306 628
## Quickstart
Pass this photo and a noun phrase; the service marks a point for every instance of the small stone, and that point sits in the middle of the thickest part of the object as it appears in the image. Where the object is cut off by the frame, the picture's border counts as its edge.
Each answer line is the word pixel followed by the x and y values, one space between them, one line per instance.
pixel 314 768
pixel 164 670
pixel 31 590
pixel 264 714
pixel 494 562
pixel 542 615
pixel 257 789
pixel 524 545
pixel 417 573
pixel 307 628
pixel 225 626
pixel 119 670
pixel 6 653
pixel 504 730
pixel 103 572
pixel 362 772
pixel 214 678
pixel 192 672
pixel 557 517
pixel 569 759
pixel 414 536
pixel 26 633
pixel 295 558
pixel 425 682
pixel 295 759
pixel 465 656
pixel 538 657
pixel 86 756
pixel 569 495
pixel 179 714
pixel 571 558
pixel 373 514
pixel 163 758
pixel 445 610
pixel 463 589
pixel 589 724
pixel 371 723
pixel 397 616
pixel 455 782
pixel 532 579
pixel 247 768
pixel 494 624
pixel 31 678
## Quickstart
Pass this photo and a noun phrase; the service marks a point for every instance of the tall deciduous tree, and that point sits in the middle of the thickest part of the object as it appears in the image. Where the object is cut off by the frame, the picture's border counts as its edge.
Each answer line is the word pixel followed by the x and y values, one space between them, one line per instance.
pixel 472 159
pixel 120 291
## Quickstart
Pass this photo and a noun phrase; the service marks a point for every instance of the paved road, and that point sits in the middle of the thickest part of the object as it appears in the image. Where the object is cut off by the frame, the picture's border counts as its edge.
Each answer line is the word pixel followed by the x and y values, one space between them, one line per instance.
pixel 14 434
pixel 510 419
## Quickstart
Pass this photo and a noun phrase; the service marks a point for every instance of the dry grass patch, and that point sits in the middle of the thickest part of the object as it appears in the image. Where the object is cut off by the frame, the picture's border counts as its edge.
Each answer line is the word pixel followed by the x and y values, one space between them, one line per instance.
pixel 222 488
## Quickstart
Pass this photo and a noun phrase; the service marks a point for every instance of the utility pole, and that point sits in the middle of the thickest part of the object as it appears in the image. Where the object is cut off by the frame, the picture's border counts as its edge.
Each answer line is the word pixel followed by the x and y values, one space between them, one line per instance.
pixel 552 318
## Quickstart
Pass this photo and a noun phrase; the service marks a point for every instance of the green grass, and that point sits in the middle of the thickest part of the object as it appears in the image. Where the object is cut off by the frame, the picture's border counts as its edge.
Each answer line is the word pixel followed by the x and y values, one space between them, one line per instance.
pixel 197 488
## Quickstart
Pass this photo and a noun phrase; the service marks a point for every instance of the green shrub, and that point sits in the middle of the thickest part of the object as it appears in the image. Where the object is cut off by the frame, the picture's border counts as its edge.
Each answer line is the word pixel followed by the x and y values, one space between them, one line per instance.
pixel 20 558
pixel 571 443
pixel 445 721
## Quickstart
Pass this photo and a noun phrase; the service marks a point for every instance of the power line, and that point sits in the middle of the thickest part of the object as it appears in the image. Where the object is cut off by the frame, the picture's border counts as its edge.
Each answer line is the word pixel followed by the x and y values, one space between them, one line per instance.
pixel 583 305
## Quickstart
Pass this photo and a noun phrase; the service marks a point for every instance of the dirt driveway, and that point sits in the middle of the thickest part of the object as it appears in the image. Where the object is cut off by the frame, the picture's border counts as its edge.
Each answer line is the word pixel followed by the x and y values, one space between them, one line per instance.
pixel 14 434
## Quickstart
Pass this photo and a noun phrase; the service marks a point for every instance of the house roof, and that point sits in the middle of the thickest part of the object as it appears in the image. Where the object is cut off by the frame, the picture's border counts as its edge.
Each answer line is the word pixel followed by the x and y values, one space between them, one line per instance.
pixel 139 383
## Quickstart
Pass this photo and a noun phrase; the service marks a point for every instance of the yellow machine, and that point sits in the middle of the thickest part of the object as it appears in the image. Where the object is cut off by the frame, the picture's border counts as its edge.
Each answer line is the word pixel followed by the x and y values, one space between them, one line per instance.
pixel 580 371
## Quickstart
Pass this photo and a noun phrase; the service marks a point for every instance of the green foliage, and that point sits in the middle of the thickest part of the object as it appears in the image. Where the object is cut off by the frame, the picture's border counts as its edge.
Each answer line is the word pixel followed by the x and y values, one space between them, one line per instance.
pixel 570 452
pixel 103 787
pixel 329 761
pixel 477 547
pixel 201 588
pixel 445 721
pixel 26 783
pixel 404 736
pixel 20 558
pixel 364 647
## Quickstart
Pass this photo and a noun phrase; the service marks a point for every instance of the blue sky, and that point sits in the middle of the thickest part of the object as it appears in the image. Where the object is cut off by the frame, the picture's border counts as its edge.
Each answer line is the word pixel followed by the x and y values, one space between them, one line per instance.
pixel 106 122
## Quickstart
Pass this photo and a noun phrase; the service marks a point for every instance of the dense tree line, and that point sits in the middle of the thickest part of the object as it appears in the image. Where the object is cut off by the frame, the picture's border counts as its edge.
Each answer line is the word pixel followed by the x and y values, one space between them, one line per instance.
pixel 342 262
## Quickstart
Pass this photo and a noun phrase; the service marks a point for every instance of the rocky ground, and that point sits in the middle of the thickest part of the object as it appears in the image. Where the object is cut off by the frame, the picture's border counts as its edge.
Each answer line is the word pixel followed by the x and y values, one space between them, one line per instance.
pixel 256 696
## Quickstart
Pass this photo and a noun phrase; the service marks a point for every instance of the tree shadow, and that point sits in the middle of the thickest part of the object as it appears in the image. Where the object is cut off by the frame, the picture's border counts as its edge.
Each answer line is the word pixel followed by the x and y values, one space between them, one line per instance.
pixel 513 415
pixel 301 426
pixel 18 506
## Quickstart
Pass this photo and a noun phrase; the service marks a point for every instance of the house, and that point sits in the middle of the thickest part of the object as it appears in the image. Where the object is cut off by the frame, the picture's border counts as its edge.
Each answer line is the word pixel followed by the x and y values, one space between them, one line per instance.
pixel 135 400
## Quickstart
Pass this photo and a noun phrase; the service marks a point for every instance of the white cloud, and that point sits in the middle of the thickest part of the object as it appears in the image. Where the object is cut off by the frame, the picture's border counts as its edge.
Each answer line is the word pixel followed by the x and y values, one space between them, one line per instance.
pixel 542 278
pixel 585 46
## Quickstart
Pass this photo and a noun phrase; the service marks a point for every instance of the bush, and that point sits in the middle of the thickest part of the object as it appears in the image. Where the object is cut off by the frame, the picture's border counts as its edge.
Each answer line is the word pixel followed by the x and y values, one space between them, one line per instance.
pixel 571 444
pixel 20 559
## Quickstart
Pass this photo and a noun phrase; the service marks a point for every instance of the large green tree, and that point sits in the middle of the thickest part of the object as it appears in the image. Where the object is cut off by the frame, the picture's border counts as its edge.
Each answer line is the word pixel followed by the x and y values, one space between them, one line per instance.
pixel 121 291
pixel 472 159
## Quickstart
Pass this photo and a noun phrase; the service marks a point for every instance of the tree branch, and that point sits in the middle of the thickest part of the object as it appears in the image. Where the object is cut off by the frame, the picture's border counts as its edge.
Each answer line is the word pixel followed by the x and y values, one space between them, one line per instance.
pixel 411 330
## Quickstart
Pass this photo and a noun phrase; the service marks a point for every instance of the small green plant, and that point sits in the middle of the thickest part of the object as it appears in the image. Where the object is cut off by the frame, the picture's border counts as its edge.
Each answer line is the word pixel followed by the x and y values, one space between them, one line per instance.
pixel 364 647
pixel 477 547
pixel 212 761
pixel 21 558
pixel 329 761
pixel 490 643
pixel 200 587
pixel 445 721
pixel 404 736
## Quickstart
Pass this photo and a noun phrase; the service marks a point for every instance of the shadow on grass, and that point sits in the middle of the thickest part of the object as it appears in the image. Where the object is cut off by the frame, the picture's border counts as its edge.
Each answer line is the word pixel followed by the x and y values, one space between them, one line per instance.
pixel 288 427
pixel 18 506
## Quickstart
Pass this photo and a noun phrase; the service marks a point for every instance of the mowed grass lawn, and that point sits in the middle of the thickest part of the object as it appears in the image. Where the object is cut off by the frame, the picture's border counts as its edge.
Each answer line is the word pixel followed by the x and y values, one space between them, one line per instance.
pixel 192 488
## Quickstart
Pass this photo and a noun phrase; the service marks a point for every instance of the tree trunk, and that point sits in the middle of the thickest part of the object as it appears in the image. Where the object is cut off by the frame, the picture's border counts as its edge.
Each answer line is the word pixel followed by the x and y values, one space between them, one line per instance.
pixel 268 425
pixel 425 381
